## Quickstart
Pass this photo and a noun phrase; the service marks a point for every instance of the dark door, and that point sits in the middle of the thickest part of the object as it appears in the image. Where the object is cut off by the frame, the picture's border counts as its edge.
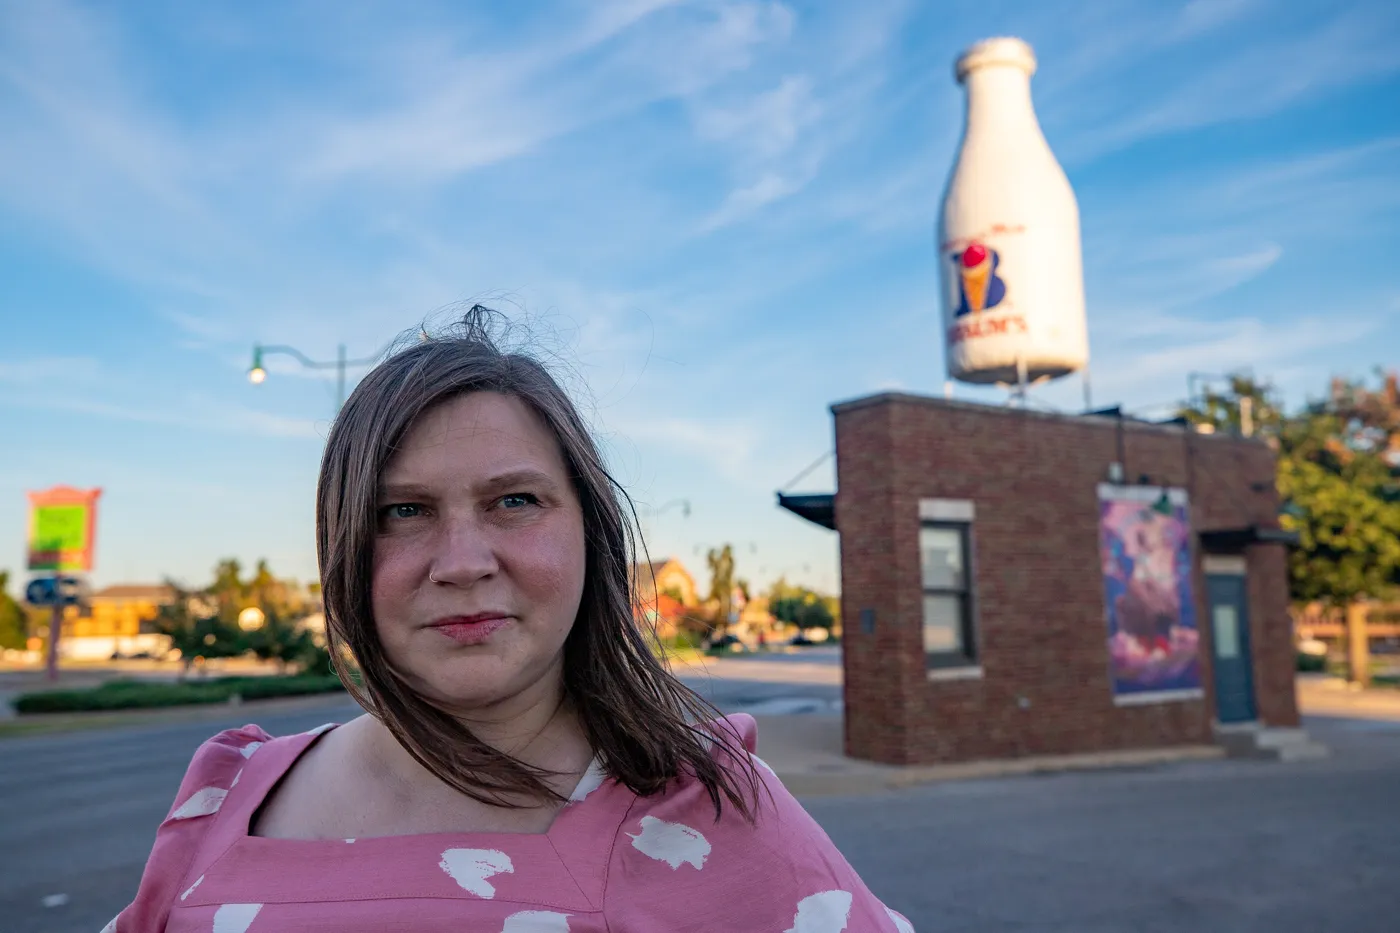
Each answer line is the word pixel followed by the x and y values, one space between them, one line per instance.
pixel 1234 664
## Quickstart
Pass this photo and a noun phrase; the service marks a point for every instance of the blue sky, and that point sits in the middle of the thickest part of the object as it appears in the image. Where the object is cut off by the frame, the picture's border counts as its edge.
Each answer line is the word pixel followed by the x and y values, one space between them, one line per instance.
pixel 718 215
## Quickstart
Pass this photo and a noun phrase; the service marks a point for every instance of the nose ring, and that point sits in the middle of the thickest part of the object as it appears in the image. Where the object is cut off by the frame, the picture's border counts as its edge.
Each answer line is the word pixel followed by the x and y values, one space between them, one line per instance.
pixel 432 579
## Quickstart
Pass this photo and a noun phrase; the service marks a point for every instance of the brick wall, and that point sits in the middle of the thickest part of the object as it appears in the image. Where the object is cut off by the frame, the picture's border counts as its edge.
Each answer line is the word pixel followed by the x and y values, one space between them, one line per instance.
pixel 1038 591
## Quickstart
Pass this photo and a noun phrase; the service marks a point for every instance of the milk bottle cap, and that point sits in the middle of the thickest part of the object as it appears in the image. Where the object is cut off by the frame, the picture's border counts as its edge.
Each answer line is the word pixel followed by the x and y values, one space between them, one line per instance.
pixel 1003 50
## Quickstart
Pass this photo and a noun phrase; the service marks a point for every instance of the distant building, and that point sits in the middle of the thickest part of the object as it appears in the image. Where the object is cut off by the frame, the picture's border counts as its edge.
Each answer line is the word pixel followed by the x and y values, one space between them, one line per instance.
pixel 118 619
pixel 667 576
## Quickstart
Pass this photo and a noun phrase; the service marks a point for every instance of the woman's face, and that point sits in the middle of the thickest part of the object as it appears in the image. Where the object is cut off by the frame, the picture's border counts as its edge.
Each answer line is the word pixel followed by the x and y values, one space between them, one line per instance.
pixel 479 558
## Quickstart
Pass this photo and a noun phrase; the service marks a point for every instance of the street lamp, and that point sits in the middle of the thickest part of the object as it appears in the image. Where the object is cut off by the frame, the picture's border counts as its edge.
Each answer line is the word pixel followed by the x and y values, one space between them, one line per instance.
pixel 257 374
pixel 251 619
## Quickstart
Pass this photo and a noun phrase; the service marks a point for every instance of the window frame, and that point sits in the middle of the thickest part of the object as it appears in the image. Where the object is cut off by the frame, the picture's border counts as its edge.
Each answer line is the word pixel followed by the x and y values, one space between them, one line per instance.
pixel 968 655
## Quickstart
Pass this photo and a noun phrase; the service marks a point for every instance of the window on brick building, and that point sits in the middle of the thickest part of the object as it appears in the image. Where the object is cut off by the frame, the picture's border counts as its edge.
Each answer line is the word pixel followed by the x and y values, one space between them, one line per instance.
pixel 949 639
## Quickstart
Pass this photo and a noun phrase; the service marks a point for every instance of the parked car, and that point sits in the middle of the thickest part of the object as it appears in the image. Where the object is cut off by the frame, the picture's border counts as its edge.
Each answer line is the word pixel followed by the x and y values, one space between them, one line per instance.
pixel 811 636
pixel 727 643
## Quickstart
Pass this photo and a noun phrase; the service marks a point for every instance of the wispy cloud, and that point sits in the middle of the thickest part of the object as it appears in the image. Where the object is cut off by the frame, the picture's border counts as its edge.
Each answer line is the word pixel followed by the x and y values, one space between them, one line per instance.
pixel 198 416
pixel 727 445
pixel 470 110
pixel 1144 347
pixel 742 202
pixel 43 372
pixel 1200 17
pixel 1256 80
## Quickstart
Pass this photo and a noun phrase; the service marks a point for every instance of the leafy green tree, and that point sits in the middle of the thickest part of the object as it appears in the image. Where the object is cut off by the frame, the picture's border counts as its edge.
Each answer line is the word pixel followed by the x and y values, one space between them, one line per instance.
pixel 281 641
pixel 1349 538
pixel 1244 403
pixel 802 607
pixel 193 624
pixel 1339 476
pixel 14 630
pixel 228 590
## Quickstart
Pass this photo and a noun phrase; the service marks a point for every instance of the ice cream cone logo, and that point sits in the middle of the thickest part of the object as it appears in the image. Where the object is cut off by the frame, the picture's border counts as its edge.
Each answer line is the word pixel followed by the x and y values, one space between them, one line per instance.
pixel 980 286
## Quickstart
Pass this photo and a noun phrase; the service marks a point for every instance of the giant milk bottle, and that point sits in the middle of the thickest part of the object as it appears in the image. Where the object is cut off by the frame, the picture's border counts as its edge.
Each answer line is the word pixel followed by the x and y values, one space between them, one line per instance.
pixel 1009 254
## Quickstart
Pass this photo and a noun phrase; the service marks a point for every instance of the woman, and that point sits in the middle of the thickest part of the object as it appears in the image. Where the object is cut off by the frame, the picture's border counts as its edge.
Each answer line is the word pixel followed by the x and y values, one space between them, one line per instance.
pixel 525 764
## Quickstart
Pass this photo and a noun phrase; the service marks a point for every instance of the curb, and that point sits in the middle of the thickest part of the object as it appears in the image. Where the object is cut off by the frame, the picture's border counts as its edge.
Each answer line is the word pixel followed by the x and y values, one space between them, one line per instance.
pixel 853 777
pixel 36 724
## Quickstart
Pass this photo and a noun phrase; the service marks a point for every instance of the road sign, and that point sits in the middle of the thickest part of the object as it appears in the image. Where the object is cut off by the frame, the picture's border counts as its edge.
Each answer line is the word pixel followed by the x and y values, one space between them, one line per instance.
pixel 56 591
pixel 62 528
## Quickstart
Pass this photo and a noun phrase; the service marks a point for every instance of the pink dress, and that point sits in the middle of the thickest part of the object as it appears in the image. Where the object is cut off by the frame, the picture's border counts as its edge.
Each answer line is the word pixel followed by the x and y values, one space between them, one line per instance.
pixel 612 862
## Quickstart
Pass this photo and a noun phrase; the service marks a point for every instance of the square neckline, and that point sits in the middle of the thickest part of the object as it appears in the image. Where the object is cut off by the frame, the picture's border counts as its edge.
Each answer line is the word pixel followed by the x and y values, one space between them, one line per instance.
pixel 245 825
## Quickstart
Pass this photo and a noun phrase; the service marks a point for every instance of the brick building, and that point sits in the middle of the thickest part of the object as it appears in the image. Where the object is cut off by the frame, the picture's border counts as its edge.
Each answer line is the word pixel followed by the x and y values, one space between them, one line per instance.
pixel 988 613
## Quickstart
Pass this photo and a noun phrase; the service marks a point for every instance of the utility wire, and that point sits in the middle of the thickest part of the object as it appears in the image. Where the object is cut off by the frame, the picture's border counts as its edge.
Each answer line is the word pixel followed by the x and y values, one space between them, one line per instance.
pixel 800 476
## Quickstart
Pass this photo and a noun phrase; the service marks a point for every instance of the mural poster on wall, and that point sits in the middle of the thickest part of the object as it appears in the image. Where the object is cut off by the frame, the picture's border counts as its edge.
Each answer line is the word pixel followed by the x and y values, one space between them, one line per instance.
pixel 1145 550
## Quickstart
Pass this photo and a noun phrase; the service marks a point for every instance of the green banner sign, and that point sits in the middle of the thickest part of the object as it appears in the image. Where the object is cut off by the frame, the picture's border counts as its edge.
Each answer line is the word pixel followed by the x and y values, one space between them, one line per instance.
pixel 61 524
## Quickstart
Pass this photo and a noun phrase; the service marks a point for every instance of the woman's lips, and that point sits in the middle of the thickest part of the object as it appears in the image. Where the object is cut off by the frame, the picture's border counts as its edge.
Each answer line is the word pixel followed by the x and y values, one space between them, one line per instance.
pixel 471 630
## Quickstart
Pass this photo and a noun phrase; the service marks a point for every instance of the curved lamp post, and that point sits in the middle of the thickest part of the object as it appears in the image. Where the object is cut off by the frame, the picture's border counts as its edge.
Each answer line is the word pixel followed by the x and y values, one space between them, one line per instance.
pixel 257 374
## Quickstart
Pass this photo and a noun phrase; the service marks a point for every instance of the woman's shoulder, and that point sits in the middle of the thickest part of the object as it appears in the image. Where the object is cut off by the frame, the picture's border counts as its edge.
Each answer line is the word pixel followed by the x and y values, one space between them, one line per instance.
pixel 780 870
pixel 684 814
pixel 221 758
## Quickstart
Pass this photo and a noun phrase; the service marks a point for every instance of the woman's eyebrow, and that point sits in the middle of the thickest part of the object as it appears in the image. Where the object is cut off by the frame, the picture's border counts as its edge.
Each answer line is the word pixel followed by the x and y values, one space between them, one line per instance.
pixel 517 478
pixel 399 491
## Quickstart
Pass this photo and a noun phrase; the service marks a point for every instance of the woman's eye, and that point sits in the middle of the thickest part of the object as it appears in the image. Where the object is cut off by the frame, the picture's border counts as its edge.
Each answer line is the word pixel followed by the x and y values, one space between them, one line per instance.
pixel 518 500
pixel 402 510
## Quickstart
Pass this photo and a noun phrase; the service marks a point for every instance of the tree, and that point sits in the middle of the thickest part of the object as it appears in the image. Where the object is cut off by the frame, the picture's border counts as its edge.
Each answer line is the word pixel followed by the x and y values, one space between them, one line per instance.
pixel 802 607
pixel 1349 545
pixel 228 591
pixel 1339 476
pixel 280 641
pixel 1246 405
pixel 195 629
pixel 14 629
pixel 1341 490
pixel 721 564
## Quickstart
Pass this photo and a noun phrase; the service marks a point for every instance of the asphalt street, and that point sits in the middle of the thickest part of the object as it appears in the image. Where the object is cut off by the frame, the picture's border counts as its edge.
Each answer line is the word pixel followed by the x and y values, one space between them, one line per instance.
pixel 1213 846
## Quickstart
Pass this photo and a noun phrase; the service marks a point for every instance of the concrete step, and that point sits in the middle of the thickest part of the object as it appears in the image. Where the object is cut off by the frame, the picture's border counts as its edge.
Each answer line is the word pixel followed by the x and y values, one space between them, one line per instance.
pixel 1308 751
pixel 1280 738
pixel 1263 742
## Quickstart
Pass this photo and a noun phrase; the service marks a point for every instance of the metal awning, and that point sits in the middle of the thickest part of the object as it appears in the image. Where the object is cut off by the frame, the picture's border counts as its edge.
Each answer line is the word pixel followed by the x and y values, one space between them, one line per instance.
pixel 1237 539
pixel 819 508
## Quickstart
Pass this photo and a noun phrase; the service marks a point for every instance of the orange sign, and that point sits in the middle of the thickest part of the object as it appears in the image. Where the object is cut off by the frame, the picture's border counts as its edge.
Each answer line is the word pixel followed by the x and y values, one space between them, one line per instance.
pixel 62 529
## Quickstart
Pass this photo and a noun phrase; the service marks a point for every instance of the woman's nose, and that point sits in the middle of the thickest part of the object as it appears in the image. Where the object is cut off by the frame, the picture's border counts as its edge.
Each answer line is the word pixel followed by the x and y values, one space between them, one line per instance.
pixel 465 553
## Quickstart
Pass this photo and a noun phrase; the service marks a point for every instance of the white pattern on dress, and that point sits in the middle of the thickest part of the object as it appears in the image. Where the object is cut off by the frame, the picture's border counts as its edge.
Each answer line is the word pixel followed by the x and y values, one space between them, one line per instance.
pixel 111 926
pixel 826 912
pixel 900 924
pixel 247 750
pixel 202 802
pixel 471 867
pixel 235 918
pixel 592 779
pixel 672 843
pixel 536 921
pixel 190 889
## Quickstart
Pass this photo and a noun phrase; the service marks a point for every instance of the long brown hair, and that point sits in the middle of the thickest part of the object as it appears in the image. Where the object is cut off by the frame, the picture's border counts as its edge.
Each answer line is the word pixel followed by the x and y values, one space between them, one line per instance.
pixel 646 727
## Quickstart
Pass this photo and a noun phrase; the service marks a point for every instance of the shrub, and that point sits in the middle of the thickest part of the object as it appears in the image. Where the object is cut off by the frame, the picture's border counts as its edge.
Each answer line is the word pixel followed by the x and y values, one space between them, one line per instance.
pixel 263 688
pixel 1312 663
pixel 135 694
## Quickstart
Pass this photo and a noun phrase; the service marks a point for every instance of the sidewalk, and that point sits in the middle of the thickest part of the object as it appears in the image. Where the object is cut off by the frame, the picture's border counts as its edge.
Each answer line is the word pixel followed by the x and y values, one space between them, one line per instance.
pixel 1324 695
pixel 805 752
